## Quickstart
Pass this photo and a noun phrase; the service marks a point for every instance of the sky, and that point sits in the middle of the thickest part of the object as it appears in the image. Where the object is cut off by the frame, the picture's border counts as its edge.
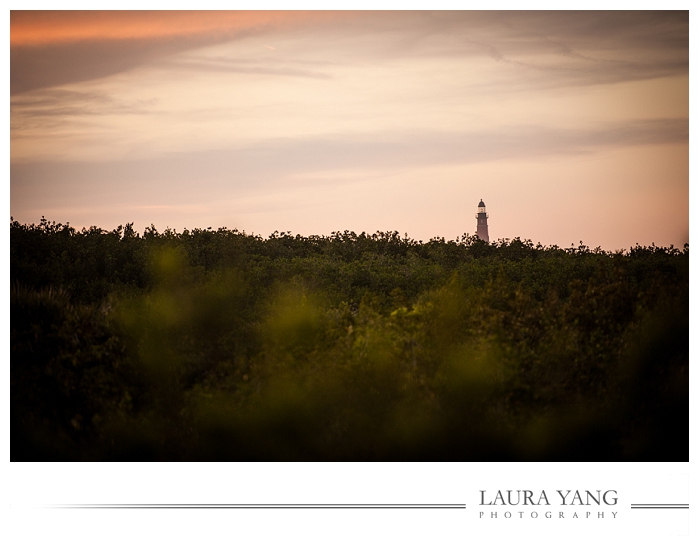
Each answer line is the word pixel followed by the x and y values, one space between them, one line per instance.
pixel 570 126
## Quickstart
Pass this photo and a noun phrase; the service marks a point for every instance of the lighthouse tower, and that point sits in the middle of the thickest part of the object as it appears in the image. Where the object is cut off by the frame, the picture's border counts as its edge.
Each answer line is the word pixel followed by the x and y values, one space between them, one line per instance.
pixel 482 225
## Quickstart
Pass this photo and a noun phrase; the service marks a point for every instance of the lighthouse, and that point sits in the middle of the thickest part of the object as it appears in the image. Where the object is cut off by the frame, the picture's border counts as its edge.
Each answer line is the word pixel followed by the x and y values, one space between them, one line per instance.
pixel 482 225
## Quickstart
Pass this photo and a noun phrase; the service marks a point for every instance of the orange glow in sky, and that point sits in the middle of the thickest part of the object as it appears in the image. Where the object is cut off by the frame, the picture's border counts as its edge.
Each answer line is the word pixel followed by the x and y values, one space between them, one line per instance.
pixel 44 27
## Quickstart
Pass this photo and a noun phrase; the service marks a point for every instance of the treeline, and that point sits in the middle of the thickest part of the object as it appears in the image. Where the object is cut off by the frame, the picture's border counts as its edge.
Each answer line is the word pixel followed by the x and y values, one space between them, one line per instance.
pixel 219 345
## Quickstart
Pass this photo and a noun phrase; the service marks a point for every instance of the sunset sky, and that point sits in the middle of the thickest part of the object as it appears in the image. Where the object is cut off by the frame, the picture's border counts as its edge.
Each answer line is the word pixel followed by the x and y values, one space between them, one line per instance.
pixel 569 125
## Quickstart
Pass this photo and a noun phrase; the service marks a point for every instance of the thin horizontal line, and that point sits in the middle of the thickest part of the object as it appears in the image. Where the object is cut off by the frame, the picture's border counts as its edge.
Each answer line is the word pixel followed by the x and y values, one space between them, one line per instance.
pixel 659 505
pixel 260 506
pixel 265 505
pixel 247 507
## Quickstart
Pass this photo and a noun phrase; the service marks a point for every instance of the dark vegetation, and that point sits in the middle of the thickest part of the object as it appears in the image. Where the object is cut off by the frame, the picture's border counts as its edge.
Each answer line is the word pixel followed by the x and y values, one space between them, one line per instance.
pixel 217 345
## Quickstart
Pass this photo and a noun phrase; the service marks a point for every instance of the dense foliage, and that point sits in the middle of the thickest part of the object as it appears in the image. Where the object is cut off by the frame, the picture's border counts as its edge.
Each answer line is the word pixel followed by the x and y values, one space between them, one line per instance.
pixel 218 345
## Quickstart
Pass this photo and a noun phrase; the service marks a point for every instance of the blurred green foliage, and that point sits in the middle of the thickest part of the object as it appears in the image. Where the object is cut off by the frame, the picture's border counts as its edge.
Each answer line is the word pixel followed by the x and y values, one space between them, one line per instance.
pixel 218 345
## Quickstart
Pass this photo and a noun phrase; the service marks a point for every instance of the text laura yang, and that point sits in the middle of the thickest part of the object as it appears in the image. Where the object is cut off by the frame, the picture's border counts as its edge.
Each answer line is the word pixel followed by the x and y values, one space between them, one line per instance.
pixel 558 497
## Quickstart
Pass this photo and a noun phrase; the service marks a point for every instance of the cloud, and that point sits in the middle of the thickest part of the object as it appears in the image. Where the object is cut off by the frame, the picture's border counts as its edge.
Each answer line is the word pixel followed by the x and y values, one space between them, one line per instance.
pixel 214 173
pixel 46 109
pixel 564 49
pixel 65 102
pixel 242 67
pixel 37 67
pixel 50 48
pixel 561 48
